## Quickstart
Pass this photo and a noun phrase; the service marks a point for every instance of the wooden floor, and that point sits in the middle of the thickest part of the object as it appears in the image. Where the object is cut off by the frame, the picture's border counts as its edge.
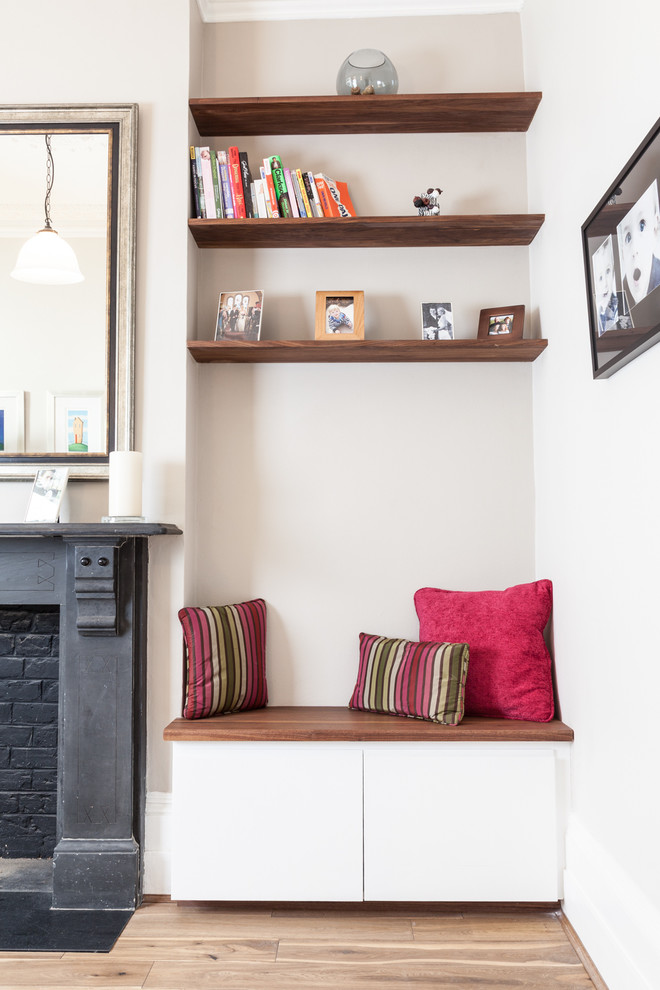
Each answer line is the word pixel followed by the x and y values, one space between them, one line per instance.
pixel 200 947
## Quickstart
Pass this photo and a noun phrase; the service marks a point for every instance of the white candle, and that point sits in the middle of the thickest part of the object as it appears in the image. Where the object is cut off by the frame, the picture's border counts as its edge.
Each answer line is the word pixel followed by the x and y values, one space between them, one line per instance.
pixel 125 495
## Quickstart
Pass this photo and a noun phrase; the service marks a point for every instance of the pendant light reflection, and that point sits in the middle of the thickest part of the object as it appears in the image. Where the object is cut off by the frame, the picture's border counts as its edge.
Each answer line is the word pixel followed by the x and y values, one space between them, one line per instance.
pixel 47 259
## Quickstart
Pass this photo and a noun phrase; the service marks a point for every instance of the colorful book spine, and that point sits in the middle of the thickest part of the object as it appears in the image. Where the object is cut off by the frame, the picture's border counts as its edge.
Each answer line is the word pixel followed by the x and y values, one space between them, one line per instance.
pixel 261 199
pixel 195 183
pixel 217 189
pixel 227 198
pixel 303 193
pixel 330 208
pixel 236 180
pixel 292 196
pixel 283 204
pixel 207 182
pixel 246 176
pixel 312 194
pixel 270 189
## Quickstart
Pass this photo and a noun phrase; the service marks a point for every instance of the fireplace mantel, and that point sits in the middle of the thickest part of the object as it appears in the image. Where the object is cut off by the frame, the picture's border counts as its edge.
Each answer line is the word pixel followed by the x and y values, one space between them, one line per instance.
pixel 98 574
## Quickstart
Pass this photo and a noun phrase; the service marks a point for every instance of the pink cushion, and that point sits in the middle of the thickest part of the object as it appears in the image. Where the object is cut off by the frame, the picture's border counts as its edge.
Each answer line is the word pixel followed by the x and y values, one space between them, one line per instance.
pixel 510 672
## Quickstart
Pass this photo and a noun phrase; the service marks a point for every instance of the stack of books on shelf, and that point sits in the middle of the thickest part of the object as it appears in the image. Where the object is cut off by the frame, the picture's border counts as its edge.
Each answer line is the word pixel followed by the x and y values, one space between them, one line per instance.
pixel 224 188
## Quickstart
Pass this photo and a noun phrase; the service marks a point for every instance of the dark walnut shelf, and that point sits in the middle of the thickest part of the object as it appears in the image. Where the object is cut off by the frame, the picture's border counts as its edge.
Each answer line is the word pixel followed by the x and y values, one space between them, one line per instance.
pixel 508 229
pixel 400 114
pixel 362 351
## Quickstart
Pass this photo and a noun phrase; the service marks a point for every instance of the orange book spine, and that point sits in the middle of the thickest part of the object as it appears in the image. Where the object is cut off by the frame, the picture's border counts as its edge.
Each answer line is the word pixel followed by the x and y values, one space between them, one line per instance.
pixel 330 208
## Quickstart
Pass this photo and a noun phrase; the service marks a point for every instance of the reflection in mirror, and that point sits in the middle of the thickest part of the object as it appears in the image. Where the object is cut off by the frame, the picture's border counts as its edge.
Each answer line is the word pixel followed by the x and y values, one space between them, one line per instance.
pixel 621 242
pixel 67 364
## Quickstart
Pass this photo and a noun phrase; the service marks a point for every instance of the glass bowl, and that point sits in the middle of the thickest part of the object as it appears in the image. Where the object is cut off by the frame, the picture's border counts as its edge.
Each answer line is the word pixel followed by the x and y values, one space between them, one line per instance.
pixel 365 72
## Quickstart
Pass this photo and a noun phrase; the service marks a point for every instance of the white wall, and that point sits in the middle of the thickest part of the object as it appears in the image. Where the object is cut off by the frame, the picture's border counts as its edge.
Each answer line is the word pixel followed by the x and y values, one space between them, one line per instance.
pixel 136 53
pixel 336 491
pixel 597 478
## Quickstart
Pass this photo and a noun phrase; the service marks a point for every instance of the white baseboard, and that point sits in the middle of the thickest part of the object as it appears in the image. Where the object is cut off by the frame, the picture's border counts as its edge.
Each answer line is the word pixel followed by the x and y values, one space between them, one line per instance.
pixel 157 843
pixel 614 919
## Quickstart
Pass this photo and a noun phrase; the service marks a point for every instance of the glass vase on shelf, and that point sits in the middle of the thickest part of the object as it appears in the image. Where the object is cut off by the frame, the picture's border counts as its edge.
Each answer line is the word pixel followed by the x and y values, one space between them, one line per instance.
pixel 367 72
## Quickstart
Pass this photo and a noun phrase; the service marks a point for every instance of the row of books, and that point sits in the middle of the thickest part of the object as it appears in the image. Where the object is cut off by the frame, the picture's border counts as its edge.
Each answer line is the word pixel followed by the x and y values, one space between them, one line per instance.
pixel 224 187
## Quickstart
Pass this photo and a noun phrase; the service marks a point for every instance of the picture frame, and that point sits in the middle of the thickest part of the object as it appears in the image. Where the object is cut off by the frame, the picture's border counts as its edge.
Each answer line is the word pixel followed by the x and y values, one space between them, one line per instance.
pixel 75 422
pixel 502 323
pixel 12 422
pixel 46 495
pixel 621 252
pixel 239 315
pixel 437 321
pixel 340 315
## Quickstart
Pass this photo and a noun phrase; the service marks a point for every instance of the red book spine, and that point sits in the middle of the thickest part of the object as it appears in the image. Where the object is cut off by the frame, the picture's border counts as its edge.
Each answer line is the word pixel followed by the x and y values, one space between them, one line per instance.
pixel 236 179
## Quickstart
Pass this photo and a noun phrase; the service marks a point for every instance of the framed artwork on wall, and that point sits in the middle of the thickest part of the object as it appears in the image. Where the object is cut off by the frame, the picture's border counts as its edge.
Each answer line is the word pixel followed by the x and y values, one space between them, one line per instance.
pixel 621 249
pixel 12 422
pixel 340 315
pixel 503 324
pixel 76 422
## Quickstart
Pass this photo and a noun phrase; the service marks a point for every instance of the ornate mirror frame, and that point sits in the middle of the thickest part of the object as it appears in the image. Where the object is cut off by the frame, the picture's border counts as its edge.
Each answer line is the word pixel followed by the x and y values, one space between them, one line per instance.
pixel 120 122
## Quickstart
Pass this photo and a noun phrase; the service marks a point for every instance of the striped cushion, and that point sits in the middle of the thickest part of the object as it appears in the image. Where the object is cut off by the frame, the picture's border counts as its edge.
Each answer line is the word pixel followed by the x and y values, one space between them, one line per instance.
pixel 225 649
pixel 421 680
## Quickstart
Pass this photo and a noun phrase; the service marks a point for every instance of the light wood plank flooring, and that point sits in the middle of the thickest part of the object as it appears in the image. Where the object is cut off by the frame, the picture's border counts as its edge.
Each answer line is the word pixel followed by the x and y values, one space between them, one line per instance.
pixel 202 947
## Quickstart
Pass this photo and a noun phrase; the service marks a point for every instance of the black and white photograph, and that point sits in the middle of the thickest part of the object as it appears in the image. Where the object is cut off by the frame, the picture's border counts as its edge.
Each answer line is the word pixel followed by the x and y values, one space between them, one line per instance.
pixel 239 315
pixel 46 495
pixel 639 247
pixel 611 304
pixel 437 321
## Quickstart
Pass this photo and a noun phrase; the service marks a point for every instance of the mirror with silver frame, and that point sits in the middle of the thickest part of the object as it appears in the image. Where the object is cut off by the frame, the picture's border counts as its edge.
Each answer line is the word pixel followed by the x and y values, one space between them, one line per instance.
pixel 67 380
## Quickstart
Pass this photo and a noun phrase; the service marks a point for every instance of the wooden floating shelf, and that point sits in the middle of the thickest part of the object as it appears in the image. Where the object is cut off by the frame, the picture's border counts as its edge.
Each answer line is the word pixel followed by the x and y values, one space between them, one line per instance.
pixel 508 229
pixel 400 114
pixel 362 351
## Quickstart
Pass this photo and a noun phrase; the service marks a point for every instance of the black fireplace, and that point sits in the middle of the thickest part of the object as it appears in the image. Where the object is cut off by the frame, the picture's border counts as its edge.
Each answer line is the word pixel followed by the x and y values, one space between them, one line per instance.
pixel 73 605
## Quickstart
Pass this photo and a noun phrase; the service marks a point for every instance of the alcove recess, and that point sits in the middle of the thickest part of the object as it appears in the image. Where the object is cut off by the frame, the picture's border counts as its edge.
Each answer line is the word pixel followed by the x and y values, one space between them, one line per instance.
pixel 401 114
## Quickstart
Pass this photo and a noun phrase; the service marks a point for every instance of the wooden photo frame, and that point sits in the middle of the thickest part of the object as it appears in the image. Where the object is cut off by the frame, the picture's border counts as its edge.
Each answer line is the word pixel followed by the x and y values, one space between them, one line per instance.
pixel 340 315
pixel 505 323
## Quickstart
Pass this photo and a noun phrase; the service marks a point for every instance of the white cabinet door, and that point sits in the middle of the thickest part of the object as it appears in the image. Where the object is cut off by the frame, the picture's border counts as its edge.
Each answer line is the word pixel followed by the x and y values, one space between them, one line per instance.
pixel 266 821
pixel 460 825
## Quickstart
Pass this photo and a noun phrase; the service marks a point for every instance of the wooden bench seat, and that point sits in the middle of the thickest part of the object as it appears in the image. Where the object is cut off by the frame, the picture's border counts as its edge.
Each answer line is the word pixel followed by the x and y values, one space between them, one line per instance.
pixel 330 804
pixel 327 724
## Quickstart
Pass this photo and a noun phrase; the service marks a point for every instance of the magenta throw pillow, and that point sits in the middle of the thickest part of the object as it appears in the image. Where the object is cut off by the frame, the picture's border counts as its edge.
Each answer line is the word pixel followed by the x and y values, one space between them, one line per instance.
pixel 510 673
pixel 225 653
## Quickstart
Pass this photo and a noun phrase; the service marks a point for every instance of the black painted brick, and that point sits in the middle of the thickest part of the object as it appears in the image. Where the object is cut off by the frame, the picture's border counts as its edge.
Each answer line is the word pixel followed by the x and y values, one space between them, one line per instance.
pixel 16 620
pixel 7 643
pixel 8 803
pixel 11 666
pixel 33 758
pixel 36 714
pixel 33 804
pixel 42 669
pixel 47 622
pixel 17 735
pixel 30 645
pixel 44 780
pixel 19 780
pixel 55 646
pixel 44 735
pixel 5 712
pixel 50 691
pixel 23 847
pixel 22 690
pixel 5 753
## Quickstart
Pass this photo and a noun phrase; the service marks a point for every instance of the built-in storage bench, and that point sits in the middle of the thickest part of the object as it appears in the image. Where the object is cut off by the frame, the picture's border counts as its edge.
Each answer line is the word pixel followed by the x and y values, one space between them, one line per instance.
pixel 330 804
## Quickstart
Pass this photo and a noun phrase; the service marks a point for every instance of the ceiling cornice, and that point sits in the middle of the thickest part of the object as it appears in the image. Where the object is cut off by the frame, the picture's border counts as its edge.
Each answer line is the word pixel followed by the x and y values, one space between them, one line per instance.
pixel 214 11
